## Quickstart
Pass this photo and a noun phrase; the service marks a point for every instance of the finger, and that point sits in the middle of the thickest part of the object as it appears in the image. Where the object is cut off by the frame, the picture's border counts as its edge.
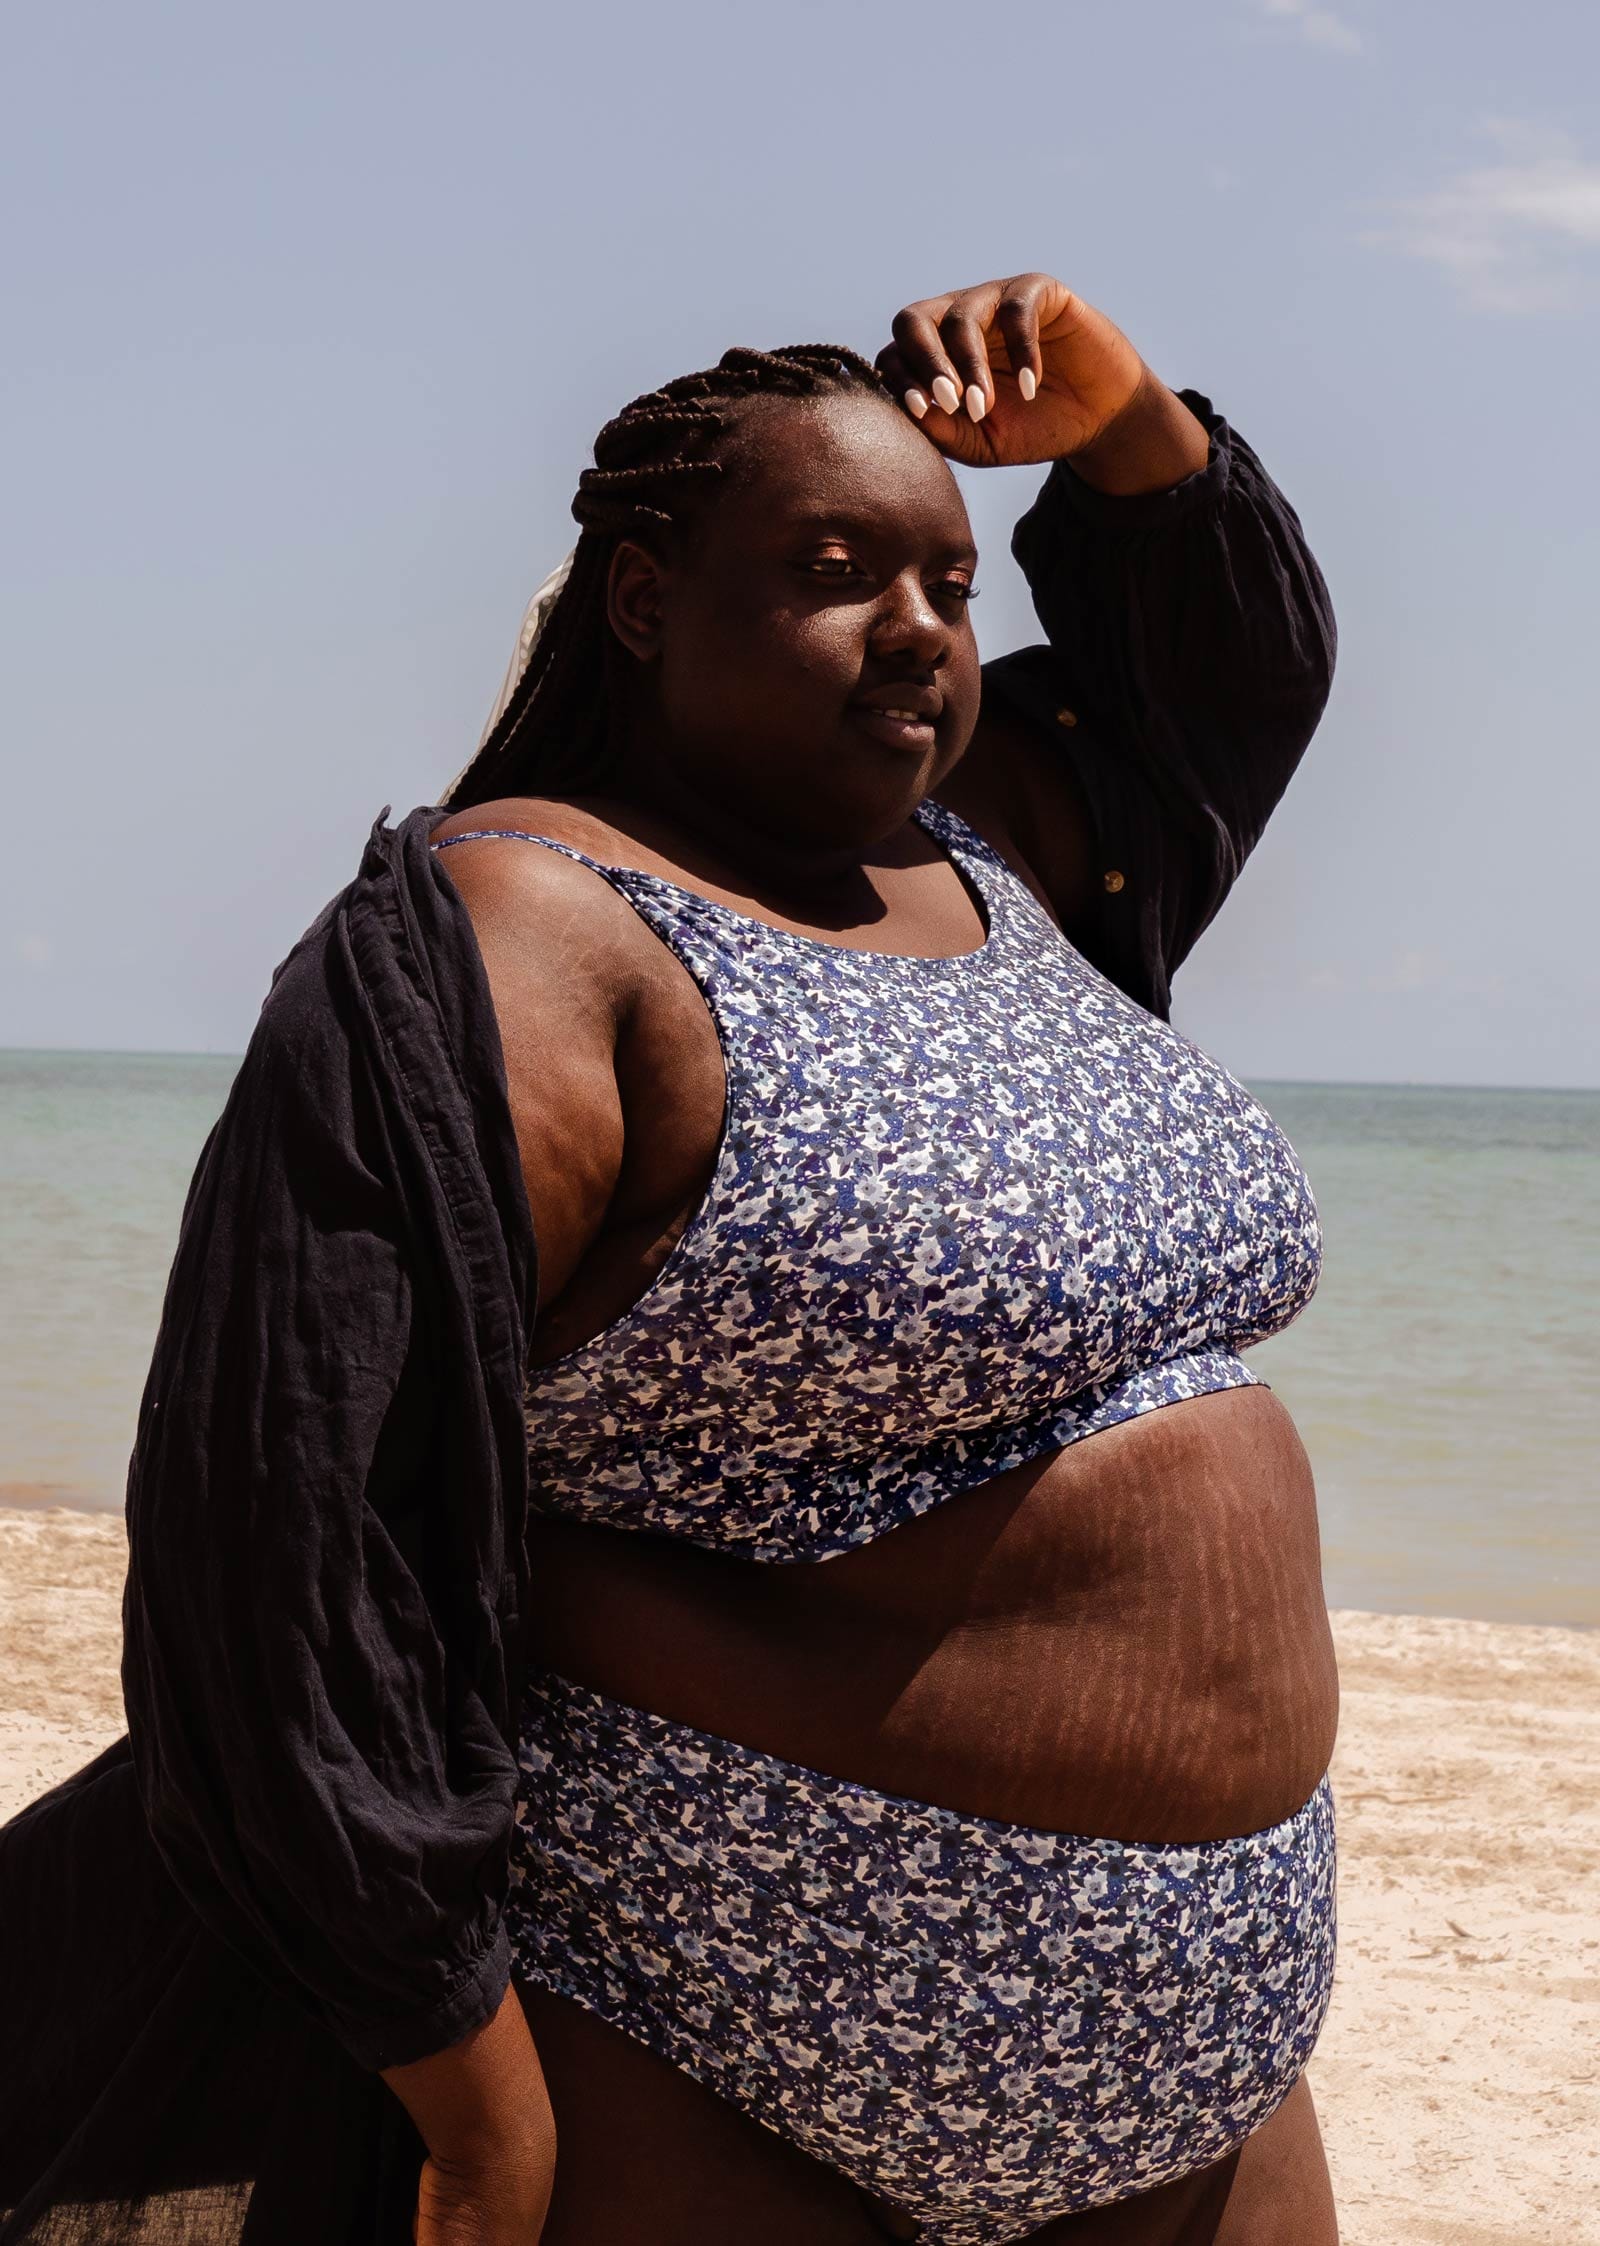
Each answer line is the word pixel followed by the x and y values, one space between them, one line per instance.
pixel 949 433
pixel 916 332
pixel 963 331
pixel 1017 318
pixel 897 375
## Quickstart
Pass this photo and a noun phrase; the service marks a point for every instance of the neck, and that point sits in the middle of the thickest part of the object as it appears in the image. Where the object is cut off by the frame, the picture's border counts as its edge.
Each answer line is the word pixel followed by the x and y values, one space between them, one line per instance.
pixel 733 839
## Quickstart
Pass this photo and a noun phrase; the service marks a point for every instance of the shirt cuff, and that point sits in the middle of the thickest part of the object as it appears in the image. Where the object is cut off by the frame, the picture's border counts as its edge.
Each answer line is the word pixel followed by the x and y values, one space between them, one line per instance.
pixel 473 1999
pixel 1147 510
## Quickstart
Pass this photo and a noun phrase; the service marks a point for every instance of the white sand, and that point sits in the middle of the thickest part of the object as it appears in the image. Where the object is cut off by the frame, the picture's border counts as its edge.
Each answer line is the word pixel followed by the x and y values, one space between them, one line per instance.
pixel 1459 2075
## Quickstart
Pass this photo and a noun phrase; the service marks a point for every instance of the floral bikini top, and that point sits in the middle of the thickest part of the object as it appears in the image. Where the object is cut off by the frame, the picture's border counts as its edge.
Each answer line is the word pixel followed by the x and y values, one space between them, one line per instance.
pixel 964 1211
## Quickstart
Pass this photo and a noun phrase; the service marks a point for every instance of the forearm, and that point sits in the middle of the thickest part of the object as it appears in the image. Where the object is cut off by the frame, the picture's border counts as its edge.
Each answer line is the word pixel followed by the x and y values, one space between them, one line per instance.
pixel 482 2110
pixel 1153 443
pixel 484 2098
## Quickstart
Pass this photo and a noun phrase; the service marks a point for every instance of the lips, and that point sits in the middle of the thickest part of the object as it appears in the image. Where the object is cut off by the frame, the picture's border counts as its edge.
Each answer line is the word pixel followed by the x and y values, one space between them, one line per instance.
pixel 902 717
pixel 904 700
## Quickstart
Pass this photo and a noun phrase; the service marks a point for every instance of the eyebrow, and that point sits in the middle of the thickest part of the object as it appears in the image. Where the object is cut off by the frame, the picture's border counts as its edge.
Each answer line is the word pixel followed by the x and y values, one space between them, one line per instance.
pixel 820 520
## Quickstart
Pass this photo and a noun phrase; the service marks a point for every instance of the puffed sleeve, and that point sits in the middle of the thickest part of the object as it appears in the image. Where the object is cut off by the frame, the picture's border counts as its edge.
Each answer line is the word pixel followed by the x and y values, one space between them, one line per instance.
pixel 313 1668
pixel 1191 652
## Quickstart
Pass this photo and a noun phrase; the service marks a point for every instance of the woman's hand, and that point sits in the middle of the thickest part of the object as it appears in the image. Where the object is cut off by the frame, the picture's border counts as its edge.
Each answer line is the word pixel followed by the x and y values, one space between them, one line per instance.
pixel 1023 370
pixel 484 2114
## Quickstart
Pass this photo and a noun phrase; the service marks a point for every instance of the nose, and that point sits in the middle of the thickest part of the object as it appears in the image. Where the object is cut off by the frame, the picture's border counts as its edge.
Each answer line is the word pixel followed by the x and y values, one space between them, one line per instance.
pixel 907 624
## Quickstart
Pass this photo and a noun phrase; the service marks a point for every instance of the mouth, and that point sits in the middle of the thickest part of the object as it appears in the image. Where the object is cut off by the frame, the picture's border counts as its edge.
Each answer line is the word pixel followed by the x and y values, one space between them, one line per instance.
pixel 905 719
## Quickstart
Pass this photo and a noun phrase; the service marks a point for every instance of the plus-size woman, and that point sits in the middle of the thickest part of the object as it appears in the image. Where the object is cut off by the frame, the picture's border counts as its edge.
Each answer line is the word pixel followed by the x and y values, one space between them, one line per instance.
pixel 879 1789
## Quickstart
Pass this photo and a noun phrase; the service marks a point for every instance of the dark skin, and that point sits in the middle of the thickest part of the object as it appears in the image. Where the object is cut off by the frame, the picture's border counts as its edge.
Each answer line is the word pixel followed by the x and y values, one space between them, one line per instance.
pixel 1127 1638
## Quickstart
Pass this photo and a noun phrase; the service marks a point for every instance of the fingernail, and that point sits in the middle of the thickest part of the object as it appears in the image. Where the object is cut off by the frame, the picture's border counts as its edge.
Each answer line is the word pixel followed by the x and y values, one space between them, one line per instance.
pixel 1027 383
pixel 946 394
pixel 977 403
pixel 916 404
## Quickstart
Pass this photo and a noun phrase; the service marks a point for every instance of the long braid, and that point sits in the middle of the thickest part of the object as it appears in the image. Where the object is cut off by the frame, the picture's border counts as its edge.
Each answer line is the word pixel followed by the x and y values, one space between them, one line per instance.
pixel 655 465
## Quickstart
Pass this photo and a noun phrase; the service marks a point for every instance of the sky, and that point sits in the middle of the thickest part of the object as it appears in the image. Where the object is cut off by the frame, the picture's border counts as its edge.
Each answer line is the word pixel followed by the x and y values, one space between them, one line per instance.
pixel 314 312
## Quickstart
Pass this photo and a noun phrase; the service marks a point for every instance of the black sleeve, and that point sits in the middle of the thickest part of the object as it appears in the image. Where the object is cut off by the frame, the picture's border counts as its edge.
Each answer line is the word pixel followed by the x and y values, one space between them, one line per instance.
pixel 318 1755
pixel 1191 652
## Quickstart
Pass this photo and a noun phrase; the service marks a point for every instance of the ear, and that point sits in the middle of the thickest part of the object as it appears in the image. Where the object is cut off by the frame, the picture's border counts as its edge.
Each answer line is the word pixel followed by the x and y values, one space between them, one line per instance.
pixel 634 598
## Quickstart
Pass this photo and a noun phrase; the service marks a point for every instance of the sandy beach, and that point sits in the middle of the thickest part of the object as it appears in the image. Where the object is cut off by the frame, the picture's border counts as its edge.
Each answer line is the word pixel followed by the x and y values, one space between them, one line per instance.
pixel 1459 2075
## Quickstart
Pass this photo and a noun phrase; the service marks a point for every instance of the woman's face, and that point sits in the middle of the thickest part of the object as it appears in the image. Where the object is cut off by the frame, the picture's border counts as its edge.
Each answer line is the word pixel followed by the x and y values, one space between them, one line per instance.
pixel 807 659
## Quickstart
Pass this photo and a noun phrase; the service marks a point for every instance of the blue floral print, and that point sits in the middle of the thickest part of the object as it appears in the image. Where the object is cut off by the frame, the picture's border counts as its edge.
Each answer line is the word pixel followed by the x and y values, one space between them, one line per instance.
pixel 964 1211
pixel 985 2025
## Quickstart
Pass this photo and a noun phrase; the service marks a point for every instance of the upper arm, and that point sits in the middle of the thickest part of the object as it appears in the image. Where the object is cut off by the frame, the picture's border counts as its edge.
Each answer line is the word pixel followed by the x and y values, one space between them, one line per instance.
pixel 1191 651
pixel 1192 629
pixel 547 929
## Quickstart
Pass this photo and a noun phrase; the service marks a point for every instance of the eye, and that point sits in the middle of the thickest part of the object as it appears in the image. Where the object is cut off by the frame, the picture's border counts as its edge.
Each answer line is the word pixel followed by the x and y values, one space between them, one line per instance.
pixel 956 588
pixel 832 565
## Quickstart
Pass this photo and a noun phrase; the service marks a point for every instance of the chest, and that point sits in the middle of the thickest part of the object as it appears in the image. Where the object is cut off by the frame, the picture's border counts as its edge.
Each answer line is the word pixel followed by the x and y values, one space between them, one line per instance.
pixel 673 1085
pixel 921 1174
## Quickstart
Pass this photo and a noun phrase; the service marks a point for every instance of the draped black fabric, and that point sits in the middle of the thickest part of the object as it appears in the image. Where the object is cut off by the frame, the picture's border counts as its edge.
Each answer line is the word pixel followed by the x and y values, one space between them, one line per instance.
pixel 289 1874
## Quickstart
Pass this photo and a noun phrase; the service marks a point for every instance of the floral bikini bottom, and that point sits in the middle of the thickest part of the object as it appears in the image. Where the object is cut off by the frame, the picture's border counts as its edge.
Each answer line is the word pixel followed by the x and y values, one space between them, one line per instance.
pixel 983 2025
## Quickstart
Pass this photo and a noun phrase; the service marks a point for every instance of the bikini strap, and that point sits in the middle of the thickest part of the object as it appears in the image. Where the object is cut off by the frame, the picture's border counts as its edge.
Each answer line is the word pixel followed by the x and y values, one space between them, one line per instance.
pixel 517 834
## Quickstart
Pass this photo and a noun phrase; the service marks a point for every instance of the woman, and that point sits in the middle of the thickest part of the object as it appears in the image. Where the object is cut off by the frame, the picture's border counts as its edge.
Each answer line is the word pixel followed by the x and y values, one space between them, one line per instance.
pixel 920 1817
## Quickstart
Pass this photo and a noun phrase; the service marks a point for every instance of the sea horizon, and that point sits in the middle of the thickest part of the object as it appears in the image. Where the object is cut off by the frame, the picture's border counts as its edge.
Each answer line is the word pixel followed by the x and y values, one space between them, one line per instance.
pixel 1353 1083
pixel 1444 1379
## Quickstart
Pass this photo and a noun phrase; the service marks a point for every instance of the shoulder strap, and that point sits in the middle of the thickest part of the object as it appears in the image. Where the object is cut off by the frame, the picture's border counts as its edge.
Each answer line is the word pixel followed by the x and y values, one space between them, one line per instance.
pixel 516 834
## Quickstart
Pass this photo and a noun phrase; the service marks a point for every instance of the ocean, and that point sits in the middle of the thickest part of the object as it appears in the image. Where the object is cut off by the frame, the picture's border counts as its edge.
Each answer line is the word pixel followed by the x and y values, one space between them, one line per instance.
pixel 1445 1379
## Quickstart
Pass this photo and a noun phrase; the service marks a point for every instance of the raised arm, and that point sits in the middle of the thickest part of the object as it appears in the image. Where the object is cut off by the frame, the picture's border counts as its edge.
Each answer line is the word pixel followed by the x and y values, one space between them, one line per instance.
pixel 1136 758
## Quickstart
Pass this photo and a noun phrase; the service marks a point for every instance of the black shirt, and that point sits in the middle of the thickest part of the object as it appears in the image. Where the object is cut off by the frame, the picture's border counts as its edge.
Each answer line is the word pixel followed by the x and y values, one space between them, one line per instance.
pixel 289 1873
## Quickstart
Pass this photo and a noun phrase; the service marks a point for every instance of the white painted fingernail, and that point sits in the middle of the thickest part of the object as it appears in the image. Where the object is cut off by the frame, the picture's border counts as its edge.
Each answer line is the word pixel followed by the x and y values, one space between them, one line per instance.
pixel 916 404
pixel 946 394
pixel 1028 384
pixel 977 403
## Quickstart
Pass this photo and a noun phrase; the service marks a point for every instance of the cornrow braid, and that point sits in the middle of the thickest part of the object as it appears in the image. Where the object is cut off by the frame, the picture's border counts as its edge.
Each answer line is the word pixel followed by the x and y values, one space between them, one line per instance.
pixel 655 466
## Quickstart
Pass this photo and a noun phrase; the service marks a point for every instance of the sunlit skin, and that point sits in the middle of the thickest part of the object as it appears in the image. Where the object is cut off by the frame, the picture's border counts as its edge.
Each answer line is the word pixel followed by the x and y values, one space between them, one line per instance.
pixel 1125 1639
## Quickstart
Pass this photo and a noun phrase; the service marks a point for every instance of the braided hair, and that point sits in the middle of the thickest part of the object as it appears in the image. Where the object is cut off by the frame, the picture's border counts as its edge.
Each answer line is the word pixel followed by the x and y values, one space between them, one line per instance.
pixel 655 467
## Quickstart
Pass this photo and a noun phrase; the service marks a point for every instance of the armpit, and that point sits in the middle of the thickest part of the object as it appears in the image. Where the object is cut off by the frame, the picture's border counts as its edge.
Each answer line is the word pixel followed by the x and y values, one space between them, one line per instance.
pixel 1024 799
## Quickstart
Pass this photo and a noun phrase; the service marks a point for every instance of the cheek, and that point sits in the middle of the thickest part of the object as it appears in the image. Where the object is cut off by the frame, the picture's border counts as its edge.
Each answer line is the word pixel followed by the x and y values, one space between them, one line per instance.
pixel 826 646
pixel 741 654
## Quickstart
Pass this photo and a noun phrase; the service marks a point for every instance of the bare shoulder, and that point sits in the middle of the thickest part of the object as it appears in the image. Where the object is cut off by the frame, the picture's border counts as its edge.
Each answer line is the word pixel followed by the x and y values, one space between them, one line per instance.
pixel 535 908
pixel 494 848
pixel 562 955
pixel 551 816
pixel 561 948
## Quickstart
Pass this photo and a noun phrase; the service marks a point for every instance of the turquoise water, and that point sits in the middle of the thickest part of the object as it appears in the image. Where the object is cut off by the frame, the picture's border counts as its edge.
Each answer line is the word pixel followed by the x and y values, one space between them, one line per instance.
pixel 1446 1378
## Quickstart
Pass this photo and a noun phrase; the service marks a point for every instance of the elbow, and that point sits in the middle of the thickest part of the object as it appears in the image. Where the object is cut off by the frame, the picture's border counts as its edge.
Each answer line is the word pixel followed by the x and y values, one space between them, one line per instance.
pixel 1308 689
pixel 1294 670
pixel 1316 638
pixel 1322 660
pixel 1317 686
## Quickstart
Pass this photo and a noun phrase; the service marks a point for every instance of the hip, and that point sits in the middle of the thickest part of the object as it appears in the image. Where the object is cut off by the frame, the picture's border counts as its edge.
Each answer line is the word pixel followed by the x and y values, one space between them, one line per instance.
pixel 976 2021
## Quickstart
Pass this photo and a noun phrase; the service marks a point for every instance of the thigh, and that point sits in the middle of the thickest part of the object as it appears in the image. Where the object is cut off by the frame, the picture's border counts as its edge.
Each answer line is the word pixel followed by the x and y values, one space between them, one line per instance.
pixel 647 2156
pixel 1282 2194
pixel 1273 2191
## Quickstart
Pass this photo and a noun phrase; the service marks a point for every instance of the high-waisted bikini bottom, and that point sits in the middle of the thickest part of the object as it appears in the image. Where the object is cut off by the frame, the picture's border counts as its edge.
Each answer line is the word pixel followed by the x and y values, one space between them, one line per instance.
pixel 984 2025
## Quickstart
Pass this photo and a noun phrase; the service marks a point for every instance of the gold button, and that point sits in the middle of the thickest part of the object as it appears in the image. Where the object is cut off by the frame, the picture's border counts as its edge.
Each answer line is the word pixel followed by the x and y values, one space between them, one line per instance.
pixel 1113 880
pixel 1066 717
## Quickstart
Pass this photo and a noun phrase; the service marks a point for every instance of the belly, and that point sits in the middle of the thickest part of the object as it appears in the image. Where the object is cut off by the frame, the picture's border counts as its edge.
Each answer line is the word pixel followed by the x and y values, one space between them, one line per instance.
pixel 1127 1638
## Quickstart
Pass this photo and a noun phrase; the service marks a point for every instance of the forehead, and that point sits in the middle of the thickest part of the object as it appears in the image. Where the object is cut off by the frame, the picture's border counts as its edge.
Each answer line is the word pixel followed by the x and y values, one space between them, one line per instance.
pixel 791 460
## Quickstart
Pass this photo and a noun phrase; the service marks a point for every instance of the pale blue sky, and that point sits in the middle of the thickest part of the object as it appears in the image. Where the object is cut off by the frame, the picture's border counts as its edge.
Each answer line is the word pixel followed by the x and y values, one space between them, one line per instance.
pixel 315 310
